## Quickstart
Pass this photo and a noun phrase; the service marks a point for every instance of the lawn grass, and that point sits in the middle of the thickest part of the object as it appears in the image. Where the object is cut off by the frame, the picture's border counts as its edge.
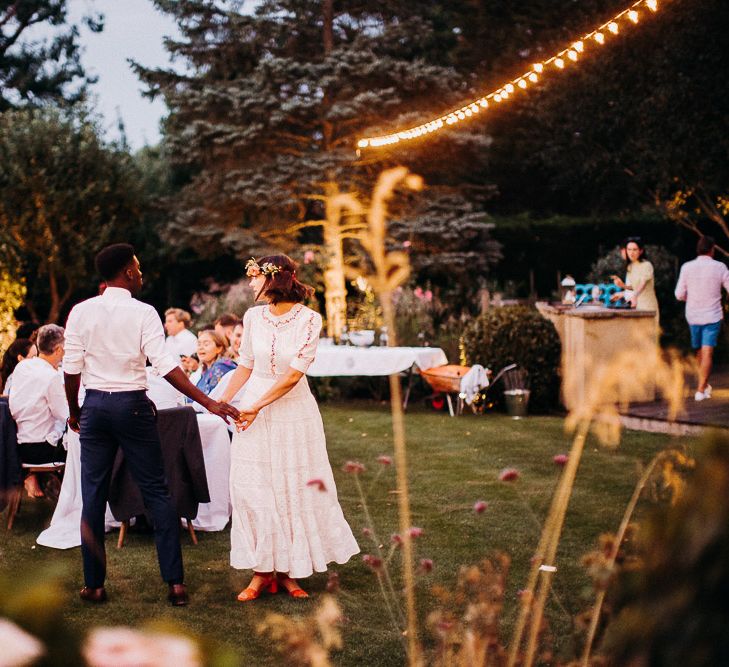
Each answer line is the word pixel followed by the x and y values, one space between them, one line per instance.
pixel 453 463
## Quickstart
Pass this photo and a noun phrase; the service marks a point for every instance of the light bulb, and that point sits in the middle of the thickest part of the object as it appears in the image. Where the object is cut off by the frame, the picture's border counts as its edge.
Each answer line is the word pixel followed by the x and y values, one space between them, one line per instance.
pixel 633 16
pixel 538 68
pixel 522 84
pixel 559 62
pixel 497 97
pixel 468 112
pixel 652 5
pixel 572 55
pixel 599 38
pixel 613 27
pixel 509 88
pixel 460 115
pixel 579 47
pixel 363 143
pixel 484 103
pixel 474 108
pixel 533 77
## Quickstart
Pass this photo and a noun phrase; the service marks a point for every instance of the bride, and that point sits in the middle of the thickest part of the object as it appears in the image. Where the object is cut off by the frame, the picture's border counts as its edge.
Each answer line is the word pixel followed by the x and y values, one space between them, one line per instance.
pixel 287 521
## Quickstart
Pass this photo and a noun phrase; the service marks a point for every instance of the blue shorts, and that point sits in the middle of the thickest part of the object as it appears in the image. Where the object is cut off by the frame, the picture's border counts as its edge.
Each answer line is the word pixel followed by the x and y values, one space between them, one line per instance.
pixel 704 334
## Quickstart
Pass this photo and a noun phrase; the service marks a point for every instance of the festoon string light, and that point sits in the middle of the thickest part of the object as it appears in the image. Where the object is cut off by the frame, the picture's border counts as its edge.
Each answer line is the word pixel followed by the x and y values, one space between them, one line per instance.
pixel 559 61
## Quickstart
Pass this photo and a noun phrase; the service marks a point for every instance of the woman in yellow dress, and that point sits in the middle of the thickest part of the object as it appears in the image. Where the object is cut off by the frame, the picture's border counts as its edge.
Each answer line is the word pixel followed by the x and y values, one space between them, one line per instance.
pixel 639 284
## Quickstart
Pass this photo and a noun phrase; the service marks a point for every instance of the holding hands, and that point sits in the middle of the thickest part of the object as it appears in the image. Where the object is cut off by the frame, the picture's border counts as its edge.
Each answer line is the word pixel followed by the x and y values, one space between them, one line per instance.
pixel 223 410
pixel 246 418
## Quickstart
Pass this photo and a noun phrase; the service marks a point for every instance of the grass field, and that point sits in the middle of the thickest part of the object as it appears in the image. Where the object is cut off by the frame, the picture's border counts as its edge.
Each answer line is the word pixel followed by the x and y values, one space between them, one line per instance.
pixel 453 463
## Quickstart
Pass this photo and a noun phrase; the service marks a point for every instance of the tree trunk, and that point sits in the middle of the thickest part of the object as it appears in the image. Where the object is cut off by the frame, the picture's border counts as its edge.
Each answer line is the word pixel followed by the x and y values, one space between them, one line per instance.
pixel 328 21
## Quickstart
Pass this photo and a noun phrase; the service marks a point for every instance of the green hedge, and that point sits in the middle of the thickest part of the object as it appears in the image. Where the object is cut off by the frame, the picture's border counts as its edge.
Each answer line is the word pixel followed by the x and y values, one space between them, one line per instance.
pixel 517 334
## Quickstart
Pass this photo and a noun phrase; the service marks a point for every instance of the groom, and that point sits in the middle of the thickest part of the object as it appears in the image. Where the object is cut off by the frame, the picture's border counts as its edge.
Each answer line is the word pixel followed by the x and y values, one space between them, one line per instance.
pixel 108 341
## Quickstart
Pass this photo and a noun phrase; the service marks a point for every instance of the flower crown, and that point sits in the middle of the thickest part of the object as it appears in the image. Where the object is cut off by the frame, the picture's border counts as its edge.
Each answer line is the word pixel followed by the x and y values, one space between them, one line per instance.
pixel 268 269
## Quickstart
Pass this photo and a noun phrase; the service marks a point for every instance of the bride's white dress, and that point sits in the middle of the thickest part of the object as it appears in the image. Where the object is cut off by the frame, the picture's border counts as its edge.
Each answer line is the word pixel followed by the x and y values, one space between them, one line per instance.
pixel 286 516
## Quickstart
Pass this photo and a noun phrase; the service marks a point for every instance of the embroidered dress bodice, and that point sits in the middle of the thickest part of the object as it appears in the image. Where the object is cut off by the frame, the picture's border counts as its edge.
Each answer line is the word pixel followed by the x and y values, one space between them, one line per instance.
pixel 280 341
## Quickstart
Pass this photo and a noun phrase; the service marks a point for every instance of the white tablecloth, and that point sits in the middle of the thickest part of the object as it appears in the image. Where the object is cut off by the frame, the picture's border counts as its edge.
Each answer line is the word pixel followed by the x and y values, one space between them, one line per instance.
pixel 65 529
pixel 334 360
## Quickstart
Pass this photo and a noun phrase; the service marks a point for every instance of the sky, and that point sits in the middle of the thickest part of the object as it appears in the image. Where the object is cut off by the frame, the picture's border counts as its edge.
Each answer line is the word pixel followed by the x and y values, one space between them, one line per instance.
pixel 132 29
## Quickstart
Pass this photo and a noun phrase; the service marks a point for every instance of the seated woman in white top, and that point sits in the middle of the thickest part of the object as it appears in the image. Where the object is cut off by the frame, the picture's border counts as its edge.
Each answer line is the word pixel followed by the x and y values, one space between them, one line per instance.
pixel 38 404
pixel 21 348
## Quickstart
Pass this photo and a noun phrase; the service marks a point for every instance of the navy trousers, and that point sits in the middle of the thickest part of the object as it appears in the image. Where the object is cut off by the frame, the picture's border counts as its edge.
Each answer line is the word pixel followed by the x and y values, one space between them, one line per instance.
pixel 125 419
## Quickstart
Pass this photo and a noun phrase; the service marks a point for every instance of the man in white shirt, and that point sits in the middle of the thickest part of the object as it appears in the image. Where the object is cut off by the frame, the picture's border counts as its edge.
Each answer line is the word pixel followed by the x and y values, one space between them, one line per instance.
pixel 38 404
pixel 699 284
pixel 180 341
pixel 108 340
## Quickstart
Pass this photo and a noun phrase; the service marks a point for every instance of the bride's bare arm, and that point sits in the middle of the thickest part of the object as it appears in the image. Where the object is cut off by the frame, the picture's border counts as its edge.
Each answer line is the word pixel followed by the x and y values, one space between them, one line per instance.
pixel 240 377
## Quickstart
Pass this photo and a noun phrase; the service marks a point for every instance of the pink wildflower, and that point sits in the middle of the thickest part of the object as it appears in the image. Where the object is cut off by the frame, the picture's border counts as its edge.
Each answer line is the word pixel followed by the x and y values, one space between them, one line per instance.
pixel 428 295
pixel 308 257
pixel 415 532
pixel 406 244
pixel 373 562
pixel 333 582
pixel 366 532
pixel 384 460
pixel 561 459
pixel 480 506
pixel 509 475
pixel 426 565
pixel 418 293
pixel 318 483
pixel 354 467
pixel 396 539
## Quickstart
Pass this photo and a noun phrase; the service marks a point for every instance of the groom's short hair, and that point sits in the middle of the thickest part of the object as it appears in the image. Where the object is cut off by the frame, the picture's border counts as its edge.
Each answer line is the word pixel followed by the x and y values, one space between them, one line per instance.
pixel 113 259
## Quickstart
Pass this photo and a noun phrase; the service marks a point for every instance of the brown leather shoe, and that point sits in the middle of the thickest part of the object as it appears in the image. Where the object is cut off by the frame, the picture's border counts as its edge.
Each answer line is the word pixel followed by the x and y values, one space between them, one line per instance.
pixel 178 596
pixel 95 595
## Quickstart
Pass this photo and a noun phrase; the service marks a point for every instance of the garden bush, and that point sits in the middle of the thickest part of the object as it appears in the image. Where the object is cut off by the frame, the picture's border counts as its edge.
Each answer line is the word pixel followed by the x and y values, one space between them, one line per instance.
pixel 520 335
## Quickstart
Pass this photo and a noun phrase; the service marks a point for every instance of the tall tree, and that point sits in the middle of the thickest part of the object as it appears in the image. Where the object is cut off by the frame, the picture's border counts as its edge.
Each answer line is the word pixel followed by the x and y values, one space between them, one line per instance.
pixel 34 69
pixel 270 106
pixel 63 193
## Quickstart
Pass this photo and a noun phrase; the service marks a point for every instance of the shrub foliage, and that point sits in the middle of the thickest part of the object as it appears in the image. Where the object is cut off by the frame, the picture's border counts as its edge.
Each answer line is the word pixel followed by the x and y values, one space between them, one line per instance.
pixel 516 334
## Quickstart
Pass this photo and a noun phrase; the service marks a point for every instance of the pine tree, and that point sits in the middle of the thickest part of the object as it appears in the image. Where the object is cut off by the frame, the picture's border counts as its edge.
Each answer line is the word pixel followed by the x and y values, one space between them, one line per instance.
pixel 271 106
pixel 34 70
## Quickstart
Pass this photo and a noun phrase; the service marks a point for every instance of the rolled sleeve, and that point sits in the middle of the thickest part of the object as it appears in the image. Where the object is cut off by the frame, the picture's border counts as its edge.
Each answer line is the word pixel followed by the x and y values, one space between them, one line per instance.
pixel 307 344
pixel 245 356
pixel 153 344
pixel 73 357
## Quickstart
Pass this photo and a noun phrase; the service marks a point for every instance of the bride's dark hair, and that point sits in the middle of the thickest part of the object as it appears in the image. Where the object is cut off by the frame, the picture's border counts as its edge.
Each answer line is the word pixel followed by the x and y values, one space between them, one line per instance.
pixel 284 286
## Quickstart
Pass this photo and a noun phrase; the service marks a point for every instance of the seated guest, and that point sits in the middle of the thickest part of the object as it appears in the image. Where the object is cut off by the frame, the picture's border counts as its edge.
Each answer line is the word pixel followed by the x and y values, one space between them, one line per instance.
pixel 21 348
pixel 225 324
pixel 38 404
pixel 190 364
pixel 180 341
pixel 211 348
pixel 235 342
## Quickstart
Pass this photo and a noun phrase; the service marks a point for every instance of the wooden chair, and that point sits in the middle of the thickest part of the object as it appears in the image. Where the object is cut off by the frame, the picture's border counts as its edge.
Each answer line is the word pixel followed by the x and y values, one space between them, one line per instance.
pixel 125 527
pixel 16 496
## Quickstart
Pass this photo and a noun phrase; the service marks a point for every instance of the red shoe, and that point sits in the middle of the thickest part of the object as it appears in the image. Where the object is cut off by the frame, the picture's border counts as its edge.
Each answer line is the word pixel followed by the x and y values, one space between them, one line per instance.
pixel 296 592
pixel 270 585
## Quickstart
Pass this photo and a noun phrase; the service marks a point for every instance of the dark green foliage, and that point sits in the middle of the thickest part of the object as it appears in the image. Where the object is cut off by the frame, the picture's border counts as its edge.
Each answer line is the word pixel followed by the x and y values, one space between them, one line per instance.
pixel 629 122
pixel 674 607
pixel 63 194
pixel 34 70
pixel 516 334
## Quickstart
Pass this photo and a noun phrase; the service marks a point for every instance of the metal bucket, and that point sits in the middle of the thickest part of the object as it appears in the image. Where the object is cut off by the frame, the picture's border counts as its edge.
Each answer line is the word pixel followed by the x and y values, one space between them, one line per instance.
pixel 517 401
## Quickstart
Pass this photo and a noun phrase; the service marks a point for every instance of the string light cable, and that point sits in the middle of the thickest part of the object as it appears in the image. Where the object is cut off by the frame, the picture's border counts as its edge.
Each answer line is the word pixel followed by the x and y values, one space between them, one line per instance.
pixel 598 37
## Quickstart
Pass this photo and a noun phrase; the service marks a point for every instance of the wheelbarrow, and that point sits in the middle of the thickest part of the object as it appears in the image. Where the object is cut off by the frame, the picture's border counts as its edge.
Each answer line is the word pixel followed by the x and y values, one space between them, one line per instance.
pixel 446 380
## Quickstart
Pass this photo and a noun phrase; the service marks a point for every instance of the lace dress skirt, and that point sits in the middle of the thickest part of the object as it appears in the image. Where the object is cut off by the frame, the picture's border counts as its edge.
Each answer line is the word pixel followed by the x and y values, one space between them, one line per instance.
pixel 280 522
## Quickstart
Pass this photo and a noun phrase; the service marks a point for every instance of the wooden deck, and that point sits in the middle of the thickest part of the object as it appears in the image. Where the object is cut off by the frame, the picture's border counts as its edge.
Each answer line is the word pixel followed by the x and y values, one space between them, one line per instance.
pixel 694 418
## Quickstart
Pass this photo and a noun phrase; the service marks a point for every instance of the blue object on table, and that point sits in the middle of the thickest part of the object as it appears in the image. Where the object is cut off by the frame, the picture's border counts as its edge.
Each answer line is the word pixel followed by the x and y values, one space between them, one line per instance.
pixel 585 293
